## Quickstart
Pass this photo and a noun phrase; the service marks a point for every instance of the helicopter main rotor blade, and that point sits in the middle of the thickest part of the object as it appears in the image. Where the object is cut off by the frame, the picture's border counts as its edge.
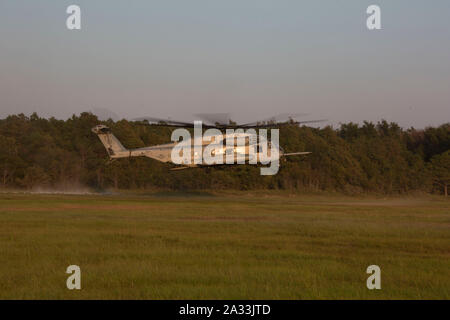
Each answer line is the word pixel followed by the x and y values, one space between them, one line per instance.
pixel 164 122
pixel 176 123
pixel 282 117
pixel 224 125
pixel 223 119
pixel 278 124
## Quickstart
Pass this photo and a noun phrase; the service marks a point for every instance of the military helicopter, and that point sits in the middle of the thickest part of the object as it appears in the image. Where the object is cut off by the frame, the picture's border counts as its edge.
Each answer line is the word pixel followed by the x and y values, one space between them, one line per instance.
pixel 239 142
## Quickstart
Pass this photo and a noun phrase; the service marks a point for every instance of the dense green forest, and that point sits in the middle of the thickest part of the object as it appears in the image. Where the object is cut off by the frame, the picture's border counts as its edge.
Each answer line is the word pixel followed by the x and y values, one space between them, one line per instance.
pixel 369 158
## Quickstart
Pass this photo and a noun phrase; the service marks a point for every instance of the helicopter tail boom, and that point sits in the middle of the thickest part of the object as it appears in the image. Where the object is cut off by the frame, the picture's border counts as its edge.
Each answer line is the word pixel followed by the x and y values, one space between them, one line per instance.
pixel 112 145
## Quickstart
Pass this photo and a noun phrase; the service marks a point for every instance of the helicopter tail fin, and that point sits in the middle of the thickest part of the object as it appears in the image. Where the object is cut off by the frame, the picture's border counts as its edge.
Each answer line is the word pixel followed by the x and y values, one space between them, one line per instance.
pixel 113 146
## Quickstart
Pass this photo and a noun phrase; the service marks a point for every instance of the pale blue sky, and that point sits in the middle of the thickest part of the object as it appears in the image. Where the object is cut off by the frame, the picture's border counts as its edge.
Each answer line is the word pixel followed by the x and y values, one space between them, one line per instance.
pixel 251 58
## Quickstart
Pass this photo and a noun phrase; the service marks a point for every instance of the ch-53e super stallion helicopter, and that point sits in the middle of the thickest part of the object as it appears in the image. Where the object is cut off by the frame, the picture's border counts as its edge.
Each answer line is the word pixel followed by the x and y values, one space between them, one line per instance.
pixel 243 147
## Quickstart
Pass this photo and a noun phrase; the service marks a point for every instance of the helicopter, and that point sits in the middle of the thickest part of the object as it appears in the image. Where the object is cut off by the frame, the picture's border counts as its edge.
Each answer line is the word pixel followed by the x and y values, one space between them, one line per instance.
pixel 239 144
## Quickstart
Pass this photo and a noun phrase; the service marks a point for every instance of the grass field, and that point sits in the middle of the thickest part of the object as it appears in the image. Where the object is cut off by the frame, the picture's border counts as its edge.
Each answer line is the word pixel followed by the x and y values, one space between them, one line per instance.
pixel 223 247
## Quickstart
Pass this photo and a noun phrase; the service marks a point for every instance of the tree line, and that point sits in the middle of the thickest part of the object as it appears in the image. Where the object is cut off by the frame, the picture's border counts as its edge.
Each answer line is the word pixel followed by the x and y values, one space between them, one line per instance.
pixel 380 158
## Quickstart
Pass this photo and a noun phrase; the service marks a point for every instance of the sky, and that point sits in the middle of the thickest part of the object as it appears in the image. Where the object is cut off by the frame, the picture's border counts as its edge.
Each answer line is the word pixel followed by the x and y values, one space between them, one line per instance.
pixel 250 58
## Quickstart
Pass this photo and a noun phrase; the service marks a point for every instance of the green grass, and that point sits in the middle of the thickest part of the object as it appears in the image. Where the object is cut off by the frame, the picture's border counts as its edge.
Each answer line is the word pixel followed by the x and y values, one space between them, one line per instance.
pixel 223 247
